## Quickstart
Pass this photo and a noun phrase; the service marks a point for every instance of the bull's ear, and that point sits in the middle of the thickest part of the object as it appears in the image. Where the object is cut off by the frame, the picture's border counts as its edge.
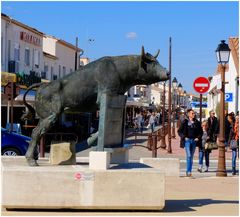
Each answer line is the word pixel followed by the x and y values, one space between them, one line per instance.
pixel 157 54
pixel 143 55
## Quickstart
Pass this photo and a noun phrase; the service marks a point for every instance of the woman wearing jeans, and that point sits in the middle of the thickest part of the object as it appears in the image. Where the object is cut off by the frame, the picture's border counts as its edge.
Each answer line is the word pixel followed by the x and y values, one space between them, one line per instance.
pixel 190 132
pixel 202 151
pixel 234 137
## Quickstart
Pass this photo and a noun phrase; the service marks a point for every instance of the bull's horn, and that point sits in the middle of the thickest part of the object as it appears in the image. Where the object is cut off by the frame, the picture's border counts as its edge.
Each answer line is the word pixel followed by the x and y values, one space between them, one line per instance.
pixel 157 54
pixel 143 52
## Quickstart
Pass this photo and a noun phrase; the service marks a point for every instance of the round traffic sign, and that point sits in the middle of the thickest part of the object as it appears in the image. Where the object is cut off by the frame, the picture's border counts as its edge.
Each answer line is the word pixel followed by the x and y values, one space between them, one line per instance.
pixel 201 84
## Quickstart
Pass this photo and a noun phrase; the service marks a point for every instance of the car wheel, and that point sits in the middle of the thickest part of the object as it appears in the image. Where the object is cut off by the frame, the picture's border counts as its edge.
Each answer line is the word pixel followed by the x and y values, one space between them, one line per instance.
pixel 10 152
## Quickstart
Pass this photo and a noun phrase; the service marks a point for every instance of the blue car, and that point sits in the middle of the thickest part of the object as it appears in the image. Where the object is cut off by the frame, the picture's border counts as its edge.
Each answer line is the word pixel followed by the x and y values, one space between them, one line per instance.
pixel 13 144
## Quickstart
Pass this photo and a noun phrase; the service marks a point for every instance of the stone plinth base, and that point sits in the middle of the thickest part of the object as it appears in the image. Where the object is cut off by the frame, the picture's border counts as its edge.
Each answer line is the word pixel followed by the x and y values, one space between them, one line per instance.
pixel 99 160
pixel 170 166
pixel 77 187
pixel 62 154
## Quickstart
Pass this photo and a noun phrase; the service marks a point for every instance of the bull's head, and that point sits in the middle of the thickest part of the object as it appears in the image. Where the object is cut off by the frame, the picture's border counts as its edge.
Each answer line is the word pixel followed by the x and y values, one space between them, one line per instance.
pixel 151 70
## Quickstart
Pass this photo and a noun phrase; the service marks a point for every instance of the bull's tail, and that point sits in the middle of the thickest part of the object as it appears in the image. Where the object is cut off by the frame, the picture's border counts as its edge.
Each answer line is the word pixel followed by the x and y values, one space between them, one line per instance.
pixel 30 114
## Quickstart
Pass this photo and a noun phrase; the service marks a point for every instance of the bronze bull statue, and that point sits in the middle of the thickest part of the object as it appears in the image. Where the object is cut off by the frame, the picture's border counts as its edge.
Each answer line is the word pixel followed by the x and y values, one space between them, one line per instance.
pixel 82 90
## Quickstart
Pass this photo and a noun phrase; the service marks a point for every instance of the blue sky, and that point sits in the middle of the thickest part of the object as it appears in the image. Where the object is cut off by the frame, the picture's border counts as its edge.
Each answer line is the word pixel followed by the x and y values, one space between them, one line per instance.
pixel 120 28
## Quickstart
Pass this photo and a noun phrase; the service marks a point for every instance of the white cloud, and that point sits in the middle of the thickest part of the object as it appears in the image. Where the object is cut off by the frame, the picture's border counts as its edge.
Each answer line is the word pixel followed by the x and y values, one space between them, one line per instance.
pixel 8 8
pixel 131 35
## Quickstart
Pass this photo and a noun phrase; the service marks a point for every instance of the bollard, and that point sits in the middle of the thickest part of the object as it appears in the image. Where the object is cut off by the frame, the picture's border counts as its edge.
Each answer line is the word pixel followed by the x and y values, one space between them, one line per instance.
pixel 42 147
pixel 159 134
pixel 150 142
pixel 154 146
pixel 135 138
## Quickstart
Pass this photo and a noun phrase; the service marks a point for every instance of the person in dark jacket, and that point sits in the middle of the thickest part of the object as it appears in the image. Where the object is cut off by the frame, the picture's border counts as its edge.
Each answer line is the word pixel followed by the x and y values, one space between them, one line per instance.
pixel 190 132
pixel 202 151
pixel 227 130
pixel 213 127
pixel 234 137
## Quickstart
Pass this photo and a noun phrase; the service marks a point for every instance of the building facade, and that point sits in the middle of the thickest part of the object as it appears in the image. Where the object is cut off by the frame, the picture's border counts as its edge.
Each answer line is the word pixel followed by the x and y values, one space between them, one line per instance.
pixel 59 58
pixel 29 56
pixel 25 50
pixel 21 47
pixel 232 81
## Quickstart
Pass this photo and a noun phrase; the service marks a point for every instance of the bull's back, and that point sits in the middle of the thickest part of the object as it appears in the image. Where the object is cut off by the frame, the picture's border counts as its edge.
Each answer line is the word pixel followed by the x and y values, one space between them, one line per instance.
pixel 78 88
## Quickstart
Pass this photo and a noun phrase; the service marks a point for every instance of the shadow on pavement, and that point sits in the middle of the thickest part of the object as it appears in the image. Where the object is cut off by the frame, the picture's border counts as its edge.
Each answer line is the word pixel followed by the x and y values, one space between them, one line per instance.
pixel 187 205
pixel 133 141
pixel 130 166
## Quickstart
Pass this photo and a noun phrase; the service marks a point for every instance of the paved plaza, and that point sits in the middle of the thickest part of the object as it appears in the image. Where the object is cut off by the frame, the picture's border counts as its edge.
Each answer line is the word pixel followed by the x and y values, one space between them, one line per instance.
pixel 202 195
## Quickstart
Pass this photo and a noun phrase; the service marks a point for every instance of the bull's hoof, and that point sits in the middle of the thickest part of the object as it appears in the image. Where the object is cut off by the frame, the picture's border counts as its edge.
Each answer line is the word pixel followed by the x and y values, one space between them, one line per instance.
pixel 31 162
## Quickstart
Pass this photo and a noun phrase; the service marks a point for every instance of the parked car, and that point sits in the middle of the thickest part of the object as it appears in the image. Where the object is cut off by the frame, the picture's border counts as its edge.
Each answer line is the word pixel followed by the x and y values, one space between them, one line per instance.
pixel 13 144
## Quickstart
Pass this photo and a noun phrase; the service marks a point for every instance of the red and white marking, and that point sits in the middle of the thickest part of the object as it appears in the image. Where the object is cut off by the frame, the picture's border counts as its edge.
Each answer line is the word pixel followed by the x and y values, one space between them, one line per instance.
pixel 201 85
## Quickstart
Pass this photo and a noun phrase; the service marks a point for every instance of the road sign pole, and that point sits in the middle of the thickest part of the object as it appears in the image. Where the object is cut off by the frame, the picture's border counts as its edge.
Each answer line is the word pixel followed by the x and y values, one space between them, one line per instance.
pixel 200 108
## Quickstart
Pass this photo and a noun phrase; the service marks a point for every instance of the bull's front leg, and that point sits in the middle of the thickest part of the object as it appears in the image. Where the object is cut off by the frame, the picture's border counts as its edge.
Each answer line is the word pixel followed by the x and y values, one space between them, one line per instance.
pixel 102 103
pixel 111 121
pixel 43 126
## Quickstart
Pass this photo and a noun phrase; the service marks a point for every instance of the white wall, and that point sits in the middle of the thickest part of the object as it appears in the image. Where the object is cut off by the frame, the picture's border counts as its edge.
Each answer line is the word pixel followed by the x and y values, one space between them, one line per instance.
pixel 65 57
pixel 230 87
pixel 11 36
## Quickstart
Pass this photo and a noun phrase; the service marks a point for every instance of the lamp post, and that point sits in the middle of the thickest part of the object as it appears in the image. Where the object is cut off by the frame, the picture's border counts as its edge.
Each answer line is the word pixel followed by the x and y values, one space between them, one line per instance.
pixel 184 99
pixel 180 88
pixel 163 141
pixel 174 84
pixel 223 53
pixel 169 149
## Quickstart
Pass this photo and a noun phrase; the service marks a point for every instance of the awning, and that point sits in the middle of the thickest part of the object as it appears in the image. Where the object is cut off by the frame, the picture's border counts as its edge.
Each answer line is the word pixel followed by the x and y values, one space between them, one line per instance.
pixel 136 103
pixel 7 77
pixel 30 96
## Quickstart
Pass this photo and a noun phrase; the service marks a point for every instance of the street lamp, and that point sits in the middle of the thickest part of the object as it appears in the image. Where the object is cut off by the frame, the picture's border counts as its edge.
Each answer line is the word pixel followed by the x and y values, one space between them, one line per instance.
pixel 222 53
pixel 174 84
pixel 163 141
pixel 180 88
pixel 184 99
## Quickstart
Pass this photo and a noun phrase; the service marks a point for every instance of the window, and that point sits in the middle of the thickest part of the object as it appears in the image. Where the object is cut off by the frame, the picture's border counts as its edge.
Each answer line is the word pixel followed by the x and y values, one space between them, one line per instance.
pixel 71 70
pixel 36 58
pixel 9 49
pixel 54 77
pixel 43 75
pixel 59 71
pixel 16 52
pixel 27 56
pixel 46 68
pixel 51 73
pixel 2 50
pixel 64 70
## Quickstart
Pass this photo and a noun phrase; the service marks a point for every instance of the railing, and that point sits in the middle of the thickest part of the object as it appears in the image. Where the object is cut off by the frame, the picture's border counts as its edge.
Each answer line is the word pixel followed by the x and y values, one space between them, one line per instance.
pixel 152 139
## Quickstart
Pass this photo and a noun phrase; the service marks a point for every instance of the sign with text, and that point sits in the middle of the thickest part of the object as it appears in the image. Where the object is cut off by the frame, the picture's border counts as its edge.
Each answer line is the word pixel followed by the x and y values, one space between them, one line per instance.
pixel 228 97
pixel 201 85
pixel 29 38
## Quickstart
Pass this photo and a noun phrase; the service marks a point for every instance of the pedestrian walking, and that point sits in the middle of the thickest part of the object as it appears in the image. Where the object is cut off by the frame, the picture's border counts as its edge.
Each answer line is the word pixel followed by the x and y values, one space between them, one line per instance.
pixel 190 132
pixel 227 129
pixel 234 143
pixel 213 126
pixel 152 121
pixel 229 124
pixel 138 122
pixel 203 152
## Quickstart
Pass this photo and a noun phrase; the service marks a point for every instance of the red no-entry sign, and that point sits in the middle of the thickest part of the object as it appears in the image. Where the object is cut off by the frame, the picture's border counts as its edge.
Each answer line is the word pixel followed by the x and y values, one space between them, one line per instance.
pixel 201 85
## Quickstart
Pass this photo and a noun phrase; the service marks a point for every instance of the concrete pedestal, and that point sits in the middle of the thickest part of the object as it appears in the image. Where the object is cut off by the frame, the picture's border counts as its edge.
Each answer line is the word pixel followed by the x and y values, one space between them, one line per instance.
pixel 77 187
pixel 99 160
pixel 62 154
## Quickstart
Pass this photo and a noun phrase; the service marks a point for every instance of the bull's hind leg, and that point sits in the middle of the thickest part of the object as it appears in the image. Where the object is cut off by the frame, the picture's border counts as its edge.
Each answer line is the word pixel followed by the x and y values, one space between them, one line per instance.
pixel 43 126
